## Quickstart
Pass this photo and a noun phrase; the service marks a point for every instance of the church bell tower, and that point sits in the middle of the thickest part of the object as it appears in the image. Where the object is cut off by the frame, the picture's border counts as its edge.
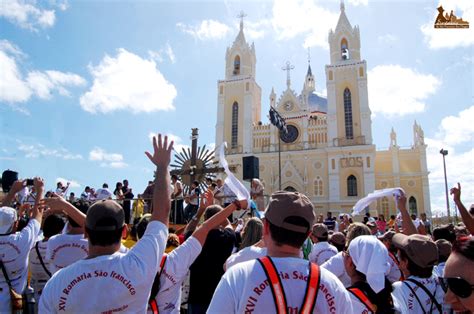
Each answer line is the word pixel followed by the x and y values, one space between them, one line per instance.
pixel 239 96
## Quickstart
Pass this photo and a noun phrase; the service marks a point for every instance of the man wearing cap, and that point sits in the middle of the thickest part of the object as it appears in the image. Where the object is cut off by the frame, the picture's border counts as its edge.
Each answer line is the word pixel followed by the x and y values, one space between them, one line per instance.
pixel 322 250
pixel 420 292
pixel 15 246
pixel 282 282
pixel 107 280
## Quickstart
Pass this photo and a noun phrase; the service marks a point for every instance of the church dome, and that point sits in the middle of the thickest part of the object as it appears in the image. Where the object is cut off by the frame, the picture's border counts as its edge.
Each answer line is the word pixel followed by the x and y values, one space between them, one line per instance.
pixel 317 103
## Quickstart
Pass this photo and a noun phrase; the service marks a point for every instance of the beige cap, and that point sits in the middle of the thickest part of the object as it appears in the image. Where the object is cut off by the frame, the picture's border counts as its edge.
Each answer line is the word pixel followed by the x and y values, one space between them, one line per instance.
pixel 105 215
pixel 444 247
pixel 8 216
pixel 320 230
pixel 419 248
pixel 286 204
pixel 338 238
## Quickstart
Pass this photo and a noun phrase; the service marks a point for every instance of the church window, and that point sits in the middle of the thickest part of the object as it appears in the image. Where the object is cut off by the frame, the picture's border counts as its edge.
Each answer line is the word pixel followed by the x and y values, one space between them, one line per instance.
pixel 330 75
pixel 351 186
pixel 368 162
pixel 235 124
pixel 412 205
pixel 385 207
pixel 237 65
pixel 247 86
pixel 221 90
pixel 361 72
pixel 333 164
pixel 318 187
pixel 348 114
pixel 344 49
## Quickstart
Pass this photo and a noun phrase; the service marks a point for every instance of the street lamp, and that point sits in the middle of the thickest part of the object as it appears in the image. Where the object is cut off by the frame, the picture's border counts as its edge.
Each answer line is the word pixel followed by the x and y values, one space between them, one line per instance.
pixel 444 152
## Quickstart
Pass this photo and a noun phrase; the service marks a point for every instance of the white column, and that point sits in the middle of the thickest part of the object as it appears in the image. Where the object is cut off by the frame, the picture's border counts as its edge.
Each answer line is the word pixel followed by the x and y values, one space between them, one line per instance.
pixel 220 119
pixel 334 193
pixel 247 126
pixel 332 112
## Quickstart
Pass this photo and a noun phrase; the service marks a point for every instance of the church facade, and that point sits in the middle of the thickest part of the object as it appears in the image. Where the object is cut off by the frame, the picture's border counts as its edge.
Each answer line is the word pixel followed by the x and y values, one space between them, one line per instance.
pixel 327 153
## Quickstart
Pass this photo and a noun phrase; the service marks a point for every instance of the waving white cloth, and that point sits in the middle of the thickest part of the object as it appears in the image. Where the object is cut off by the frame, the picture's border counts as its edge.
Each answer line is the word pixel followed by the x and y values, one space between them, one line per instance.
pixel 232 182
pixel 372 197
pixel 371 258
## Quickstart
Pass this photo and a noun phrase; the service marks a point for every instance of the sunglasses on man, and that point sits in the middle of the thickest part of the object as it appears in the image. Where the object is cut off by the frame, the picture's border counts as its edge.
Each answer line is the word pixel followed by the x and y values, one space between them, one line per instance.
pixel 457 285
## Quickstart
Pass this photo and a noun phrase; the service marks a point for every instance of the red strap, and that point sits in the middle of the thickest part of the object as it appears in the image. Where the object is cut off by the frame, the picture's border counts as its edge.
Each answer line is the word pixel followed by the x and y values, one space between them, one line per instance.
pixel 162 263
pixel 311 289
pixel 278 293
pixel 363 298
pixel 154 307
pixel 395 260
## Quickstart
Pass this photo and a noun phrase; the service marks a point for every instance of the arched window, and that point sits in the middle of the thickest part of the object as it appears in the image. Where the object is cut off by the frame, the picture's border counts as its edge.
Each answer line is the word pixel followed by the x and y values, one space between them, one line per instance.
pixel 348 114
pixel 318 187
pixel 385 208
pixel 344 49
pixel 412 205
pixel 351 186
pixel 235 125
pixel 290 189
pixel 237 65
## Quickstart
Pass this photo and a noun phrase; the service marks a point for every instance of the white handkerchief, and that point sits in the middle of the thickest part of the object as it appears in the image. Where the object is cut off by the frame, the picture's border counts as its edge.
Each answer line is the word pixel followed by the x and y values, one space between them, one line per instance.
pixel 372 197
pixel 232 182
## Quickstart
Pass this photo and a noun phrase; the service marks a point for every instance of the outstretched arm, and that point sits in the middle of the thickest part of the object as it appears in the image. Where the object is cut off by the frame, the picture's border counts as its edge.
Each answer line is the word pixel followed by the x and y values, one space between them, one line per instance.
pixel 407 223
pixel 59 204
pixel 37 212
pixel 465 215
pixel 15 188
pixel 161 193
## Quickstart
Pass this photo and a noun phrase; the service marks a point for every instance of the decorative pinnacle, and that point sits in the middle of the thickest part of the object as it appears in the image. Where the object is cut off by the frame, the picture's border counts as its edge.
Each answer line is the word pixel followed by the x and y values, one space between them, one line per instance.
pixel 241 17
pixel 342 6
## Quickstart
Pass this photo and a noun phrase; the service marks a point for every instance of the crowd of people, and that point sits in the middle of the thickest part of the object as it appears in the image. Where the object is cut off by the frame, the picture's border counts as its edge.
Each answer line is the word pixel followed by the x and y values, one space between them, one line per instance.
pixel 87 255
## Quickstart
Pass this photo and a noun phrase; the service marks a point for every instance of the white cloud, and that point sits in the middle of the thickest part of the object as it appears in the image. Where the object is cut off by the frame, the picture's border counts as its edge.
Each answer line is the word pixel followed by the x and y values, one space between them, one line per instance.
pixel 14 88
pixel 39 150
pixel 358 2
pixel 258 29
pixel 128 82
pixel 72 183
pixel 438 38
pixel 158 55
pixel 303 17
pixel 206 30
pixel 112 160
pixel 27 14
pixel 398 91
pixel 455 130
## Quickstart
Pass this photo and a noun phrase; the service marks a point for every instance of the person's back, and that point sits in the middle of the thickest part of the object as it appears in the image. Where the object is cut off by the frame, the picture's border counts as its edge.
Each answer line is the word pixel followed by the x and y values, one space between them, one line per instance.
pixel 14 251
pixel 65 249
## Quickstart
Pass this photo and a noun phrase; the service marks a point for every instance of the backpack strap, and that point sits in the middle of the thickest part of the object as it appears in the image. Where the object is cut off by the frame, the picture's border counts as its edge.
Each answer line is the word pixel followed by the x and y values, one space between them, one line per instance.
pixel 395 260
pixel 433 299
pixel 155 288
pixel 416 296
pixel 312 289
pixel 275 284
pixel 279 297
pixel 5 274
pixel 41 259
pixel 360 295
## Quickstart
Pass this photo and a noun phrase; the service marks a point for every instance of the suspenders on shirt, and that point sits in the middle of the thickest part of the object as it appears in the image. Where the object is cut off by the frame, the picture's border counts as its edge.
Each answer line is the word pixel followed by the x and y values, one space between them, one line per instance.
pixel 278 293
pixel 156 287
pixel 363 298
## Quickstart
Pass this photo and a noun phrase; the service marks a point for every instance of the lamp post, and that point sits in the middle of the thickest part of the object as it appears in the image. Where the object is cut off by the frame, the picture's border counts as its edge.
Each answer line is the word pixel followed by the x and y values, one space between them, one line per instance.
pixel 444 152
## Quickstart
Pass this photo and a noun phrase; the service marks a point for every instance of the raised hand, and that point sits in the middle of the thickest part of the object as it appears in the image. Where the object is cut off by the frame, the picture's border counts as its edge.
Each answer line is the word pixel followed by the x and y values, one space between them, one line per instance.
pixel 38 183
pixel 17 186
pixel 56 204
pixel 456 193
pixel 161 151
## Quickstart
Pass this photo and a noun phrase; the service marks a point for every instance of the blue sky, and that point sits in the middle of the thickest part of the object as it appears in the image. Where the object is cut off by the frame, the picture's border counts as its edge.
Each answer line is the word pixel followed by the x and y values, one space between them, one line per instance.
pixel 83 84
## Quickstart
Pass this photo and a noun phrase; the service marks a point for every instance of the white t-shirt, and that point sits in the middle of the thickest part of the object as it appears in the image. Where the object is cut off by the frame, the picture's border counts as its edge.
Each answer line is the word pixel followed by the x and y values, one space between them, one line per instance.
pixel 39 277
pixel 246 254
pixel 336 266
pixel 176 187
pixel 394 273
pixel 438 270
pixel 103 194
pixel 321 252
pixel 174 272
pixel 14 250
pixel 245 288
pixel 405 302
pixel 108 283
pixel 65 249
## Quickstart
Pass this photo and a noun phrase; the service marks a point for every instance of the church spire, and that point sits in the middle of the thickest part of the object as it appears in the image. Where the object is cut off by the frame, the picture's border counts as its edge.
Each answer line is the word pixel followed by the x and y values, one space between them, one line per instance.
pixel 343 7
pixel 288 67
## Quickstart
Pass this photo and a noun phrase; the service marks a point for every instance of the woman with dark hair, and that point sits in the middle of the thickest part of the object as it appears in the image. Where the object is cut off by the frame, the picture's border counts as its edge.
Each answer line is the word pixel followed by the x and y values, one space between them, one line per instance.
pixel 366 264
pixel 118 191
pixel 458 279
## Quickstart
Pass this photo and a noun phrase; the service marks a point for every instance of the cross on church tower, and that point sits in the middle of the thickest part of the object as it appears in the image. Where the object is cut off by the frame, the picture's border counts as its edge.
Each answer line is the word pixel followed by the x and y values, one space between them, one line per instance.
pixel 288 68
pixel 241 17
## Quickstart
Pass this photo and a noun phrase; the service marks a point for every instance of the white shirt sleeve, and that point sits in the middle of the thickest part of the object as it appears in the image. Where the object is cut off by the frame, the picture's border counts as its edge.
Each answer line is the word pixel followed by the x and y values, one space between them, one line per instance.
pixel 29 234
pixel 334 265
